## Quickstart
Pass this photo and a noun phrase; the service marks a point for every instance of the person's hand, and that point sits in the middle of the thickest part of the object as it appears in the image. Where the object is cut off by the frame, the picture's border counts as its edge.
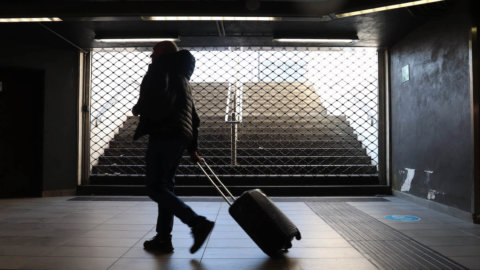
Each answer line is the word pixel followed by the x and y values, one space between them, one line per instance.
pixel 196 157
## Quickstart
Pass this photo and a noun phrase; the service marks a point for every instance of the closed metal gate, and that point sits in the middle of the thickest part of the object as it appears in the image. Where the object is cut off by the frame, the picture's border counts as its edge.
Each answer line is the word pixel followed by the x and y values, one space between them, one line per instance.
pixel 282 112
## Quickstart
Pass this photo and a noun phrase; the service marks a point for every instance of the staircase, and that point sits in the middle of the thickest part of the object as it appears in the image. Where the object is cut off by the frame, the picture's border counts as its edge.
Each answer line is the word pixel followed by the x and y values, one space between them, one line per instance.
pixel 286 145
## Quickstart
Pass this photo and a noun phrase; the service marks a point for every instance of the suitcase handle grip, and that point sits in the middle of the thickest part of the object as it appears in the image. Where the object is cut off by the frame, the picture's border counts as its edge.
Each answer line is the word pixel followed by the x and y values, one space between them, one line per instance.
pixel 214 184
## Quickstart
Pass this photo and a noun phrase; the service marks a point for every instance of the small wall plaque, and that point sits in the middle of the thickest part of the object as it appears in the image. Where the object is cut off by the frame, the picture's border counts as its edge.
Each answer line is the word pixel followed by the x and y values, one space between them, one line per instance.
pixel 405 73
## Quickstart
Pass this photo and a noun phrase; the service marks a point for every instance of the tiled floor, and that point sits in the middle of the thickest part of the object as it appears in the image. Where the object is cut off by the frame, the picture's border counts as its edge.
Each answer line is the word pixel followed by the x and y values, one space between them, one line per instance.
pixel 54 233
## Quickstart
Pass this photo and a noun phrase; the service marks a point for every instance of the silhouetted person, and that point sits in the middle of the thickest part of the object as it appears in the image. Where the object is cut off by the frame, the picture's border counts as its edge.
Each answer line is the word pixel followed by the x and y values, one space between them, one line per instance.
pixel 168 116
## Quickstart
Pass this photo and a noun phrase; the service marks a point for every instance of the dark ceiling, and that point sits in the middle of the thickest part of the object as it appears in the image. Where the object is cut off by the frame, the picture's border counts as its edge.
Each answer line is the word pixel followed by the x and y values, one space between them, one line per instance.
pixel 83 21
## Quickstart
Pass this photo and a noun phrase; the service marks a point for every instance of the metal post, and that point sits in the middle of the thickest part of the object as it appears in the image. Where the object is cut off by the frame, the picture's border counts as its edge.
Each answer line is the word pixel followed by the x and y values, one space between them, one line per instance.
pixel 475 121
pixel 383 113
pixel 233 141
pixel 85 110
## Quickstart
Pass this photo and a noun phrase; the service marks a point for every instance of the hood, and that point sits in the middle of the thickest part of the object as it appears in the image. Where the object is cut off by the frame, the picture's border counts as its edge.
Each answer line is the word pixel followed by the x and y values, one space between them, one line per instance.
pixel 181 62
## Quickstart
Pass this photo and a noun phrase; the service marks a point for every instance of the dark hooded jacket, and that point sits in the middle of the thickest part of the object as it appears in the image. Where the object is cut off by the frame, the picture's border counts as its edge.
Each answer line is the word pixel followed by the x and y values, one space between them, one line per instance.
pixel 165 105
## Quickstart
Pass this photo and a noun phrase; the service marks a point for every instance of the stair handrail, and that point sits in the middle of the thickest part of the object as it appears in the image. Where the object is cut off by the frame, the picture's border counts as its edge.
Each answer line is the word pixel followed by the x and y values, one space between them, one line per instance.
pixel 233 138
pixel 227 109
pixel 111 103
pixel 233 99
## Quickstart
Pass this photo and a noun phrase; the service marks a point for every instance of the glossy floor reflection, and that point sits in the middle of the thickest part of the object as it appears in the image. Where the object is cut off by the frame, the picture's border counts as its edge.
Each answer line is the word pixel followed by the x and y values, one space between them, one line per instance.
pixel 55 233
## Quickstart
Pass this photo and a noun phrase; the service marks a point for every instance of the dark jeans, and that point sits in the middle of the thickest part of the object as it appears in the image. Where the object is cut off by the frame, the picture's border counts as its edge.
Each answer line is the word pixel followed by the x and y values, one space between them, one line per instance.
pixel 163 158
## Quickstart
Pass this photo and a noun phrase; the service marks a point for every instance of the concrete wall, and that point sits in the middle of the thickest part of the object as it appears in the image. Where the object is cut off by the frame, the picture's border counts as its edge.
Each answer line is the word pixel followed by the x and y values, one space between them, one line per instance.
pixel 432 151
pixel 31 46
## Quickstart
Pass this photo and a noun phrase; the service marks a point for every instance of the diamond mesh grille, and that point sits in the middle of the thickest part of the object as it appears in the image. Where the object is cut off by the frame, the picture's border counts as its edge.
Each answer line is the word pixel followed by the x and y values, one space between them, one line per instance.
pixel 264 111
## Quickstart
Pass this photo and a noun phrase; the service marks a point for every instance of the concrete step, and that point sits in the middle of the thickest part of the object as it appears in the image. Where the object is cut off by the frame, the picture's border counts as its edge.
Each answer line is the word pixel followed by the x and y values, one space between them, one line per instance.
pixel 228 170
pixel 245 160
pixel 265 152
pixel 242 181
pixel 285 109
pixel 288 86
pixel 255 144
pixel 246 129
pixel 287 190
pixel 330 136
pixel 324 120
pixel 310 127
pixel 314 126
pixel 258 134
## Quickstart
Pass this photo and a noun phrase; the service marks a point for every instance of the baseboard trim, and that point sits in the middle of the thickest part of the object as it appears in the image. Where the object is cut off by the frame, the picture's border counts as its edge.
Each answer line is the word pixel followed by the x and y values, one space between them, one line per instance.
pixel 204 190
pixel 455 212
pixel 59 192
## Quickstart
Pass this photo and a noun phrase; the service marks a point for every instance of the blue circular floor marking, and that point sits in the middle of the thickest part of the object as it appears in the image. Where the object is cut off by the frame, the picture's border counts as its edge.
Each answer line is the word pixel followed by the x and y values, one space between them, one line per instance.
pixel 402 218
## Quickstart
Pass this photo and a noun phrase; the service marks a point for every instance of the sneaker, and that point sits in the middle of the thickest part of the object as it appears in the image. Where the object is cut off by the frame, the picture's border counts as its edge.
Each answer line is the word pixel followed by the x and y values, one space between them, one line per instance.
pixel 158 246
pixel 200 232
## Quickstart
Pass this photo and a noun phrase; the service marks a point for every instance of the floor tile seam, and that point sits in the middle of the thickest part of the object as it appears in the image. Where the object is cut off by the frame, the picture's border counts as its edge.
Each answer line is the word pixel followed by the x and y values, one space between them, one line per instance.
pixel 129 249
pixel 70 257
pixel 123 210
pixel 27 259
pixel 210 235
pixel 108 219
pixel 472 234
pixel 99 224
pixel 329 219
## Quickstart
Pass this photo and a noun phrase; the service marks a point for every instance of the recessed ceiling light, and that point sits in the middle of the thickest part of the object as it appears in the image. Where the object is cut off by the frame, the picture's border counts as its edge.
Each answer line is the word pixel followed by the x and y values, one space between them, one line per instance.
pixel 134 40
pixel 390 7
pixel 314 40
pixel 208 18
pixel 14 20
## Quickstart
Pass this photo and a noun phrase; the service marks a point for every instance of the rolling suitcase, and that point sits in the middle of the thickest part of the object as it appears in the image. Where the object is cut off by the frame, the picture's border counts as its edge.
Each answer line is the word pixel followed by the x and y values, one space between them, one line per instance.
pixel 260 218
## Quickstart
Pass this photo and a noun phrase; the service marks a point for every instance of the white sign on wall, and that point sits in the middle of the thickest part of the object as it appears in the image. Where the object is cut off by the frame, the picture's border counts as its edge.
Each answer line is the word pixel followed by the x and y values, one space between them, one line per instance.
pixel 405 73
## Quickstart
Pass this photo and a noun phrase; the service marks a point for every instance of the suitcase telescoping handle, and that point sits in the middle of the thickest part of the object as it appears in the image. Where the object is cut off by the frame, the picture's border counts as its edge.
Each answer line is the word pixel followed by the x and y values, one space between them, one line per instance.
pixel 214 184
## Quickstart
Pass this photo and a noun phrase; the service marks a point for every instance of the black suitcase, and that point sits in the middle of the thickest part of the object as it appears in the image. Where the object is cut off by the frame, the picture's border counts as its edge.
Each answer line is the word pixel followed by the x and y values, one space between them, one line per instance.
pixel 260 218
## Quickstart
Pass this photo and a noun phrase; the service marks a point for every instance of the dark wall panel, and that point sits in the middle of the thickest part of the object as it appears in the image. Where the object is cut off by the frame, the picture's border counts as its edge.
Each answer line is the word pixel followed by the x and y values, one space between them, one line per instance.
pixel 431 129
pixel 59 61
pixel 21 132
